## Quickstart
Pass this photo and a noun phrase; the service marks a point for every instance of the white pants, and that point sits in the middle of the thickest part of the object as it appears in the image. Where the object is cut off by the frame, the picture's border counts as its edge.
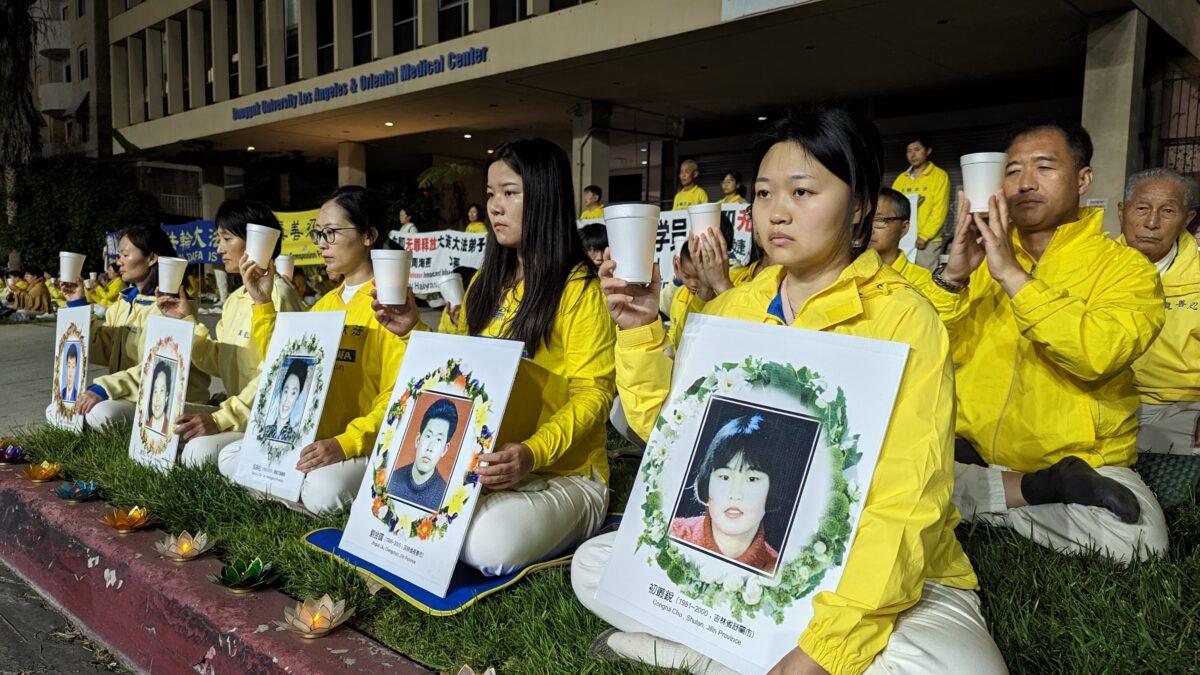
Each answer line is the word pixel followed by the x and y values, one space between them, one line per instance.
pixel 943 633
pixel 1067 528
pixel 543 516
pixel 1168 428
pixel 111 413
pixel 205 449
pixel 324 490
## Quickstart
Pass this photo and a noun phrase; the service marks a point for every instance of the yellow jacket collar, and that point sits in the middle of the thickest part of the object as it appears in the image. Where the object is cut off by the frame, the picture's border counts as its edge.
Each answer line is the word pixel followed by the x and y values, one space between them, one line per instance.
pixel 1184 273
pixel 928 167
pixel 1090 223
pixel 839 302
pixel 900 263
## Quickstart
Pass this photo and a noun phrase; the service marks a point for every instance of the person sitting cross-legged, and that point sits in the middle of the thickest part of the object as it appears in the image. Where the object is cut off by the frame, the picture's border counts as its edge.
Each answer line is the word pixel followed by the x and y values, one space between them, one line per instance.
pixel 1046 314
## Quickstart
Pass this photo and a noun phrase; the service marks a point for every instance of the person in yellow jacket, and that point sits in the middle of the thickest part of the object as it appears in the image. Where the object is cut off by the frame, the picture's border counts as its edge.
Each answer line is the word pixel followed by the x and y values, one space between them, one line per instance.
pixel 690 194
pixel 732 190
pixel 905 560
pixel 1046 317
pixel 118 340
pixel 475 224
pixel 107 293
pixel 56 295
pixel 593 207
pixel 932 185
pixel 891 224
pixel 350 223
pixel 35 299
pixel 230 354
pixel 548 476
pixel 1158 205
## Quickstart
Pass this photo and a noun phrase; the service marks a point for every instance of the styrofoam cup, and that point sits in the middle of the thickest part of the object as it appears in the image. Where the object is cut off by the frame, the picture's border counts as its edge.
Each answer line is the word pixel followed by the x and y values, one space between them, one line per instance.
pixel 391 275
pixel 983 174
pixel 631 232
pixel 260 243
pixel 451 288
pixel 92 276
pixel 70 265
pixel 285 265
pixel 170 274
pixel 702 217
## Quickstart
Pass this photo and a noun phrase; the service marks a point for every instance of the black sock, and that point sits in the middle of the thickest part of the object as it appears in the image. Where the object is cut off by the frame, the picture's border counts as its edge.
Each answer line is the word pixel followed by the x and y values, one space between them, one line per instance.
pixel 965 453
pixel 1073 481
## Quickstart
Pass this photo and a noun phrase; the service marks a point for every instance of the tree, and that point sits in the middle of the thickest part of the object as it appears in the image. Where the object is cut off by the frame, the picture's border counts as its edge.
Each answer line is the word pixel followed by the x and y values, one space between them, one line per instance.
pixel 19 117
pixel 446 182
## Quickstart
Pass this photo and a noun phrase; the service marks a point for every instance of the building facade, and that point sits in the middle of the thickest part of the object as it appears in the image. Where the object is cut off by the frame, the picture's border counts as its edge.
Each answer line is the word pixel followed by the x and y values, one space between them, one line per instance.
pixel 71 77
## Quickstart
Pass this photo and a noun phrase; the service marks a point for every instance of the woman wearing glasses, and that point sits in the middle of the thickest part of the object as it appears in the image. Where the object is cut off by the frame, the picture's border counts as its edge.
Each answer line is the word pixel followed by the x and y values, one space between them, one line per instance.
pixel 351 223
pixel 229 354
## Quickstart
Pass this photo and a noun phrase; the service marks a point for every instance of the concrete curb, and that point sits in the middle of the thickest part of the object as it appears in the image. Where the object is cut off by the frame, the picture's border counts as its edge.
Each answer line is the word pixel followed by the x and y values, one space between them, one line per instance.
pixel 161 616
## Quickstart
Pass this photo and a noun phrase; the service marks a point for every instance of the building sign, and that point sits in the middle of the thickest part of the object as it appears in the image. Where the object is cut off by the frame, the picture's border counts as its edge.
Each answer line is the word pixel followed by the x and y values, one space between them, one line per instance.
pixel 356 85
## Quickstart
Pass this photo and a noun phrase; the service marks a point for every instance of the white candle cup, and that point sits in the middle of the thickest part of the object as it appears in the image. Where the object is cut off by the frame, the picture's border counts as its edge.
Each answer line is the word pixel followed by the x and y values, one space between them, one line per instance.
pixel 170 274
pixel 702 217
pixel 983 174
pixel 451 288
pixel 260 243
pixel 70 265
pixel 285 265
pixel 92 276
pixel 391 275
pixel 632 229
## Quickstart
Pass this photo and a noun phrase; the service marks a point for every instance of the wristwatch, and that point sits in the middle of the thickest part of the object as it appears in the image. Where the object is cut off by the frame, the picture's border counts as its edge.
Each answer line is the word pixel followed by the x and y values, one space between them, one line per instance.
pixel 946 285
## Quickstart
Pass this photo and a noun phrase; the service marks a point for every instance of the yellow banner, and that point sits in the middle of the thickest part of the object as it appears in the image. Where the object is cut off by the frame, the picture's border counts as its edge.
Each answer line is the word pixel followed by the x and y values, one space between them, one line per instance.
pixel 295 236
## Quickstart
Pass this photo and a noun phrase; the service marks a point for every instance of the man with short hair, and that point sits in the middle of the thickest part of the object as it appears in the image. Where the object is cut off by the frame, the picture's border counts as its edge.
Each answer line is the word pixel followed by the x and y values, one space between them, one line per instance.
pixel 890 225
pixel 1046 316
pixel 592 208
pixel 932 185
pixel 419 483
pixel 690 194
pixel 1158 205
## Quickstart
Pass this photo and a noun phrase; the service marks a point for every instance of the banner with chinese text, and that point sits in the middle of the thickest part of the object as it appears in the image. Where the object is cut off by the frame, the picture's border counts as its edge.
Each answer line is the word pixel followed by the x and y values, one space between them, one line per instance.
pixel 296 243
pixel 437 254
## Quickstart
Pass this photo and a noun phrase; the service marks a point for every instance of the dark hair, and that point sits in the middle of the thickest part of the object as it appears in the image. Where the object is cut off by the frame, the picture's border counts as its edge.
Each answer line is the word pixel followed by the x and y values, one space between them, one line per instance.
pixel 478 211
pixel 737 178
pixel 233 216
pixel 1078 138
pixel 594 236
pixel 298 368
pixel 899 202
pixel 917 138
pixel 845 144
pixel 595 189
pixel 160 367
pixel 34 270
pixel 72 352
pixel 149 240
pixel 550 247
pixel 364 209
pixel 441 409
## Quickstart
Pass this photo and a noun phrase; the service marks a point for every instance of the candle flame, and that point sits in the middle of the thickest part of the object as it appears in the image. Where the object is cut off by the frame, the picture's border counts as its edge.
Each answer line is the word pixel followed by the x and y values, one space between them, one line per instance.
pixel 184 547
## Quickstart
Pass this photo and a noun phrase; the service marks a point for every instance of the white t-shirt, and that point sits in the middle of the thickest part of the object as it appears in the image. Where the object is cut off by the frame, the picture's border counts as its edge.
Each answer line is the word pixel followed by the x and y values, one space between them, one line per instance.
pixel 348 291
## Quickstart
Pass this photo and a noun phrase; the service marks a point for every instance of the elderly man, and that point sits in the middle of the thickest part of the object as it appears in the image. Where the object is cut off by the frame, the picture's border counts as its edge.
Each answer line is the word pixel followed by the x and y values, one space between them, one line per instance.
pixel 1046 316
pixel 690 194
pixel 1159 204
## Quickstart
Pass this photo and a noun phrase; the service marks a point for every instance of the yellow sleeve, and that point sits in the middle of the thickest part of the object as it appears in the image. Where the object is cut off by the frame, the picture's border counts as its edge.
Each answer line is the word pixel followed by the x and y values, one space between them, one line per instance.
pixel 234 412
pixel 445 325
pixel 904 518
pixel 643 375
pixel 121 384
pixel 1093 339
pixel 262 325
pixel 588 334
pixel 359 437
pixel 937 206
pixel 683 304
pixel 206 352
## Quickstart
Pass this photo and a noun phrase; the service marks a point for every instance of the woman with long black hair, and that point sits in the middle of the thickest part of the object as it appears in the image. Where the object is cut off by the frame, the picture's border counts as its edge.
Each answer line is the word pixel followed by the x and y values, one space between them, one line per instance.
pixel 905 600
pixel 548 476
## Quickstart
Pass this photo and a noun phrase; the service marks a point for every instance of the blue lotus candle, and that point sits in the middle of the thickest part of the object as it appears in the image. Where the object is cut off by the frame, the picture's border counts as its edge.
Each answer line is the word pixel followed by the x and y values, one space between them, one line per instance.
pixel 11 454
pixel 79 491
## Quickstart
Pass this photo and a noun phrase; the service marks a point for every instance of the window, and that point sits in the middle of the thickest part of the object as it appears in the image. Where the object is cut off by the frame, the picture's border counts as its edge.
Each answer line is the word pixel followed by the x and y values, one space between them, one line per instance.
pixel 67 70
pixel 206 24
pixel 66 13
pixel 234 86
pixel 452 19
pixel 260 44
pixel 80 8
pixel 508 11
pixel 361 27
pixel 324 36
pixel 291 41
pixel 83 63
pixel 404 26
pixel 556 5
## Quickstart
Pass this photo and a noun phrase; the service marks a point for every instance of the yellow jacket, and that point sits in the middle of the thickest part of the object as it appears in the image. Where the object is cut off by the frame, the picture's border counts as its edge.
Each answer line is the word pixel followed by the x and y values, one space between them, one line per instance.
pixel 685 302
pixel 906 532
pixel 596 213
pixel 934 185
pixel 1045 375
pixel 476 227
pixel 56 294
pixel 1170 370
pixel 232 356
pixel 689 197
pixel 734 199
pixel 368 362
pixel 107 293
pixel 572 376
pixel 920 278
pixel 36 298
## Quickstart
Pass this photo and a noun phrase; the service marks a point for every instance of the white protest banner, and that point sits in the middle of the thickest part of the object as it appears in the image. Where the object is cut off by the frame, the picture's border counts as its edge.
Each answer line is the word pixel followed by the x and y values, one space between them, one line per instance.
pixel 438 254
pixel 673 227
pixel 417 497
pixel 287 408
pixel 751 486
pixel 163 384
pixel 70 365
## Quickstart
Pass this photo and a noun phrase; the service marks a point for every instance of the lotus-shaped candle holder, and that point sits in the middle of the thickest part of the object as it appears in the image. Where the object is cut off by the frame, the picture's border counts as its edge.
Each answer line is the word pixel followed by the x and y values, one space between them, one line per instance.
pixel 40 473
pixel 241 576
pixel 126 521
pixel 11 454
pixel 79 491
pixel 315 618
pixel 185 547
